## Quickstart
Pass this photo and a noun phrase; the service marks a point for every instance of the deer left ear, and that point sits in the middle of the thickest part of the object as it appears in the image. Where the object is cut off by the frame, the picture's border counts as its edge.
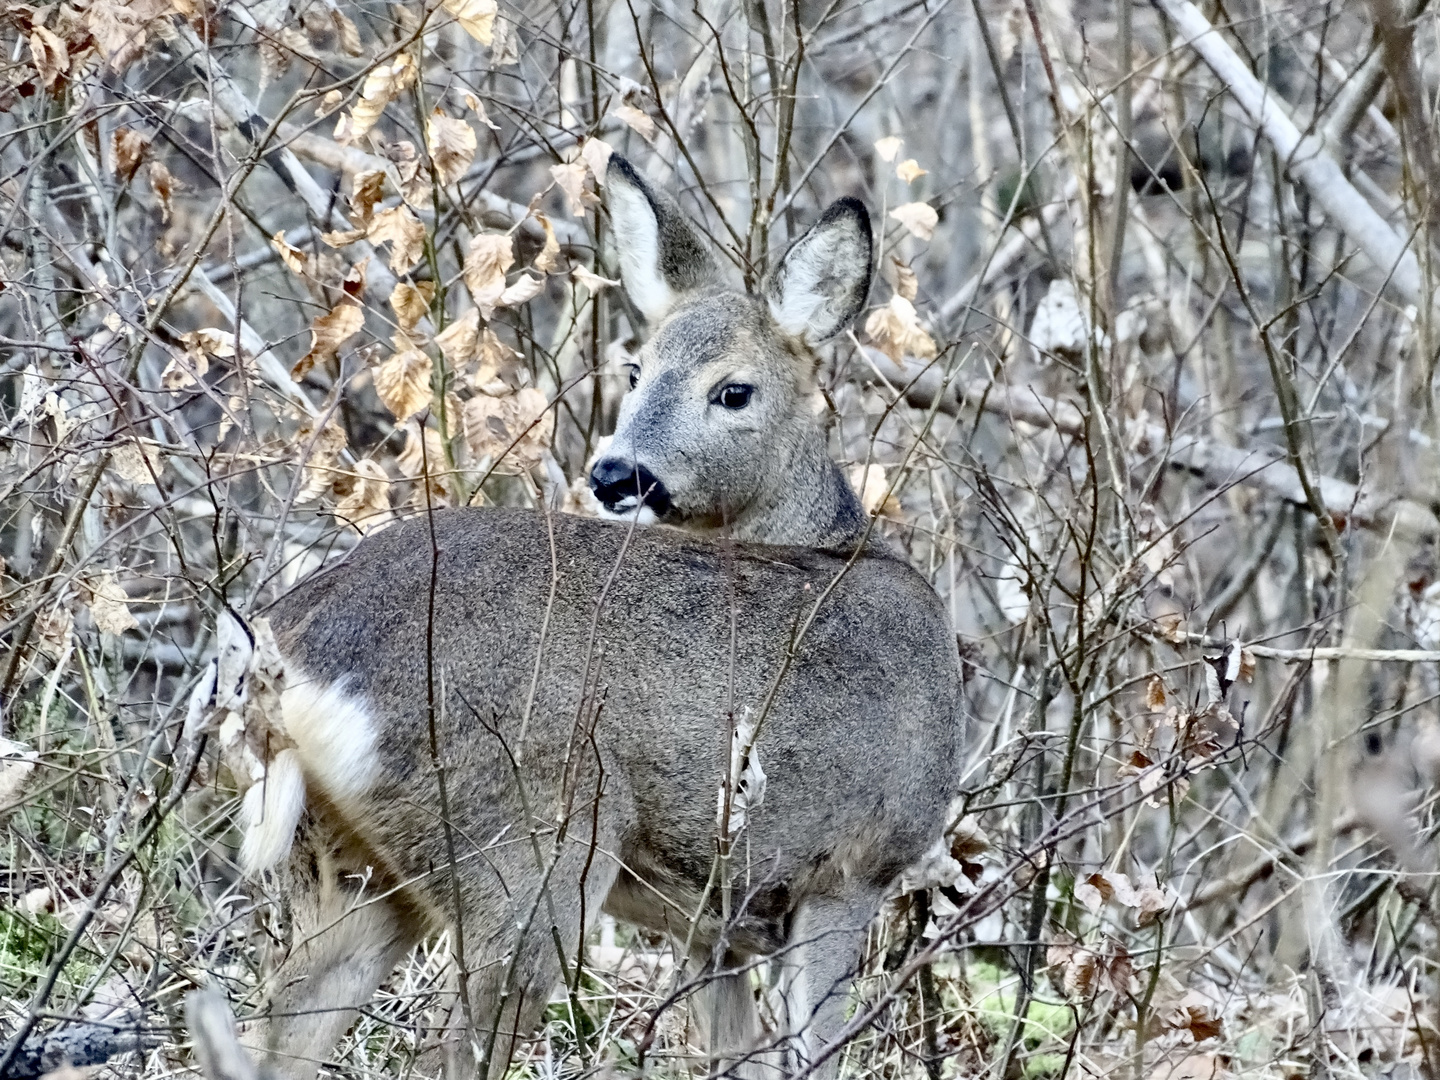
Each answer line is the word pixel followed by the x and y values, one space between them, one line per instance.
pixel 821 283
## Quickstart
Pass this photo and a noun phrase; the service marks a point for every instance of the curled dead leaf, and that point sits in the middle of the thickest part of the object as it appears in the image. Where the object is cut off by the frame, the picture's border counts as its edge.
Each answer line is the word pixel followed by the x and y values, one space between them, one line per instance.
pixel 493 424
pixel 1155 694
pixel 405 234
pixel 327 333
pixel 478 108
pixel 451 144
pixel 918 218
pixel 127 149
pixel 459 340
pixel 909 170
pixel 592 281
pixel 896 331
pixel 524 289
pixel 49 54
pixel 410 302
pixel 873 487
pixel 382 85
pixel 596 155
pixel 635 120
pixel 544 262
pixel 489 256
pixel 900 278
pixel 366 189
pixel 293 258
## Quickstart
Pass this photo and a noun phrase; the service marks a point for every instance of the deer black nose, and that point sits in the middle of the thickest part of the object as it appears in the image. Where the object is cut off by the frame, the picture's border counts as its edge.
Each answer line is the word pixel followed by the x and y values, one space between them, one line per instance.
pixel 622 485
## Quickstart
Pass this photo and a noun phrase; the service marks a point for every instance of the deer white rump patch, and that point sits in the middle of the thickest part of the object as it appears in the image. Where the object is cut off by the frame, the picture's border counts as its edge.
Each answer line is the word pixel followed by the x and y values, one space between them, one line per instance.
pixel 334 736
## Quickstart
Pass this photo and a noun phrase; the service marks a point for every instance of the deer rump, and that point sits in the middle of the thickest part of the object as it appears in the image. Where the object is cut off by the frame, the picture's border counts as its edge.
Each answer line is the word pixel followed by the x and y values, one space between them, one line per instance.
pixel 584 753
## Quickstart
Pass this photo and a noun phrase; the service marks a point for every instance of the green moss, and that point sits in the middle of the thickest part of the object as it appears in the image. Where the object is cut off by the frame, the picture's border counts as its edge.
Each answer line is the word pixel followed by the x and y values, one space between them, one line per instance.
pixel 995 998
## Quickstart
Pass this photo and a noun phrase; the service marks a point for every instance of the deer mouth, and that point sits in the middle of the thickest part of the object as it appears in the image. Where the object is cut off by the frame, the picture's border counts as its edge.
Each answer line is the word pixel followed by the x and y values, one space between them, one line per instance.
pixel 624 488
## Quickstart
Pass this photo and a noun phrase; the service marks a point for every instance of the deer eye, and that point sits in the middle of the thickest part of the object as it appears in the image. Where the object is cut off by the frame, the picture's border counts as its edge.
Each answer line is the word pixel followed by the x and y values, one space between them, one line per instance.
pixel 736 395
pixel 634 373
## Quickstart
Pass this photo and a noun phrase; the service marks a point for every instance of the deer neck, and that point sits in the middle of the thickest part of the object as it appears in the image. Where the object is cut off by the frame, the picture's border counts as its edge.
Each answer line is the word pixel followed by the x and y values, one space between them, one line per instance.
pixel 814 506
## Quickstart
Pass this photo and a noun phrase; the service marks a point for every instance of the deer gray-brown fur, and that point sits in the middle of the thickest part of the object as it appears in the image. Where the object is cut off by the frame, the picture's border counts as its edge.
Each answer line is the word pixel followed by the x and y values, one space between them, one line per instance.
pixel 587 676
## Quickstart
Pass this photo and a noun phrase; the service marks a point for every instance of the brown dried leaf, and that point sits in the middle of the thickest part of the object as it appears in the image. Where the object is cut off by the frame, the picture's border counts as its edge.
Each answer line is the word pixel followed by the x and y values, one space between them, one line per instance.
pixel 545 261
pixel 327 333
pixel 896 331
pixel 918 217
pixel 635 120
pixel 137 461
pixel 505 49
pixel 493 423
pixel 365 192
pixel 411 302
pixel 417 454
pixel 490 255
pixel 460 339
pixel 339 239
pixel 478 108
pixel 1155 694
pixel 476 16
pixel 163 184
pixel 909 170
pixel 120 29
pixel 873 487
pixel 900 278
pixel 365 504
pixel 494 356
pixel 108 604
pixel 570 178
pixel 347 32
pixel 127 148
pixel 292 257
pixel 382 85
pixel 403 382
pixel 1153 901
pixel 53 627
pixel 1247 666
pixel 320 463
pixel 49 54
pixel 451 144
pixel 403 231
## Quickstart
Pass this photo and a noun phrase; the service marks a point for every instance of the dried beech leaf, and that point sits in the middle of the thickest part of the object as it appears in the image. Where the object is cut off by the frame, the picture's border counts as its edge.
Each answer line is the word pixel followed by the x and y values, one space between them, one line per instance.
pixel 366 503
pixel 888 148
pixel 896 331
pixel 476 16
pixel 411 302
pixel 341 239
pixel 382 85
pixel 49 54
pixel 451 144
pixel 489 256
pixel 494 356
pixel 525 289
pixel 570 178
pixel 137 461
pixel 366 189
pixel 163 184
pixel 909 170
pixel 327 333
pixel 320 462
pixel 1155 694
pixel 545 261
pixel 900 278
pixel 873 487
pixel 460 339
pixel 596 155
pixel 635 120
pixel 918 217
pixel 478 108
pixel 403 231
pixel 493 423
pixel 347 32
pixel 109 604
pixel 403 382
pixel 592 281
pixel 127 148
pixel 292 257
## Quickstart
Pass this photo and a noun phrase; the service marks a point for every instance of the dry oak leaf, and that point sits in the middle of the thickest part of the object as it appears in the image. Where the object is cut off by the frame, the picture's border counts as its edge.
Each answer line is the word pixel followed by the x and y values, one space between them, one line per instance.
pixel 382 85
pixel 459 340
pixel 49 54
pixel 635 120
pixel 570 178
pixel 889 147
pixel 492 424
pixel 365 504
pixel 596 154
pixel 403 382
pixel 489 256
pixel 403 231
pixel 909 170
pixel 323 451
pixel 327 333
pixel 918 217
pixel 451 144
pixel 411 302
pixel 476 16
pixel 544 262
pixel 896 331
pixel 108 604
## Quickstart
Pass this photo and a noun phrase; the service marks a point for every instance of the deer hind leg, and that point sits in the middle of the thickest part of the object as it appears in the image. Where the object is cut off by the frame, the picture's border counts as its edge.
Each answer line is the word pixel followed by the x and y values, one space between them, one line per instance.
pixel 724 1009
pixel 347 938
pixel 822 958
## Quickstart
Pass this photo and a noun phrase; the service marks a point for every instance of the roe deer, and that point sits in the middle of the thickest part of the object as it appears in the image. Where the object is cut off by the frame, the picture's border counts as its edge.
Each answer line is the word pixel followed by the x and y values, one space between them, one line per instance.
pixel 581 683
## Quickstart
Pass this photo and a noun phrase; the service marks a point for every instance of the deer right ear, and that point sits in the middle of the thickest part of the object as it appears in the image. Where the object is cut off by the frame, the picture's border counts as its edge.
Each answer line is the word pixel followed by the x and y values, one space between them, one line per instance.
pixel 660 257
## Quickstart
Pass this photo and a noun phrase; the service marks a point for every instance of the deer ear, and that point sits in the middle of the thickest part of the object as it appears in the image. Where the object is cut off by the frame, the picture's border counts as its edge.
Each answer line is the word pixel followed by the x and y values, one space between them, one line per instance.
pixel 660 257
pixel 821 283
